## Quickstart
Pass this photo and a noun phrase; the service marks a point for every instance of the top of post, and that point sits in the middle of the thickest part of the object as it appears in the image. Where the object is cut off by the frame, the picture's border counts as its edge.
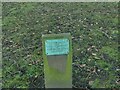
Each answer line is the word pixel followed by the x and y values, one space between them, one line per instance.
pixel 56 35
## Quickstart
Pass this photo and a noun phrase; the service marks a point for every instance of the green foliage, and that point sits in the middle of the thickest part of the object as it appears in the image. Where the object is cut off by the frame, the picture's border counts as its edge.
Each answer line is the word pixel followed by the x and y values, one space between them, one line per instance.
pixel 96 83
pixel 112 52
pixel 17 82
pixel 94 30
pixel 104 65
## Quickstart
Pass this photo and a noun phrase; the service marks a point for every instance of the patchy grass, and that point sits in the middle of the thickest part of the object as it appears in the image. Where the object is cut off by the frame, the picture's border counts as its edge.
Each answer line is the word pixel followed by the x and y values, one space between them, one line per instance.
pixel 94 30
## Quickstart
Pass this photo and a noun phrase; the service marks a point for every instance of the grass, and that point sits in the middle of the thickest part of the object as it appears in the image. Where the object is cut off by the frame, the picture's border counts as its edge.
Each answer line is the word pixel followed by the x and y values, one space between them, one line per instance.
pixel 94 30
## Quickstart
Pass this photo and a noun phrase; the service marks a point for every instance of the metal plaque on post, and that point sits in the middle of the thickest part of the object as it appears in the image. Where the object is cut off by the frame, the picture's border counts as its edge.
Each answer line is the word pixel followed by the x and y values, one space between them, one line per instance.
pixel 57 55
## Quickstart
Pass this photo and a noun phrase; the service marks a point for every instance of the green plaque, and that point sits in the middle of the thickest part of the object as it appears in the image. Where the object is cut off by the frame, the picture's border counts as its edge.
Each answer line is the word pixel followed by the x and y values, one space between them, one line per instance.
pixel 57 46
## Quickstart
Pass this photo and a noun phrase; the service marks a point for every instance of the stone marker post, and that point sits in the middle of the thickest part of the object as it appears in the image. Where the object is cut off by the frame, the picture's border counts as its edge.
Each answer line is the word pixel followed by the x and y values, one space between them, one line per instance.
pixel 57 55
